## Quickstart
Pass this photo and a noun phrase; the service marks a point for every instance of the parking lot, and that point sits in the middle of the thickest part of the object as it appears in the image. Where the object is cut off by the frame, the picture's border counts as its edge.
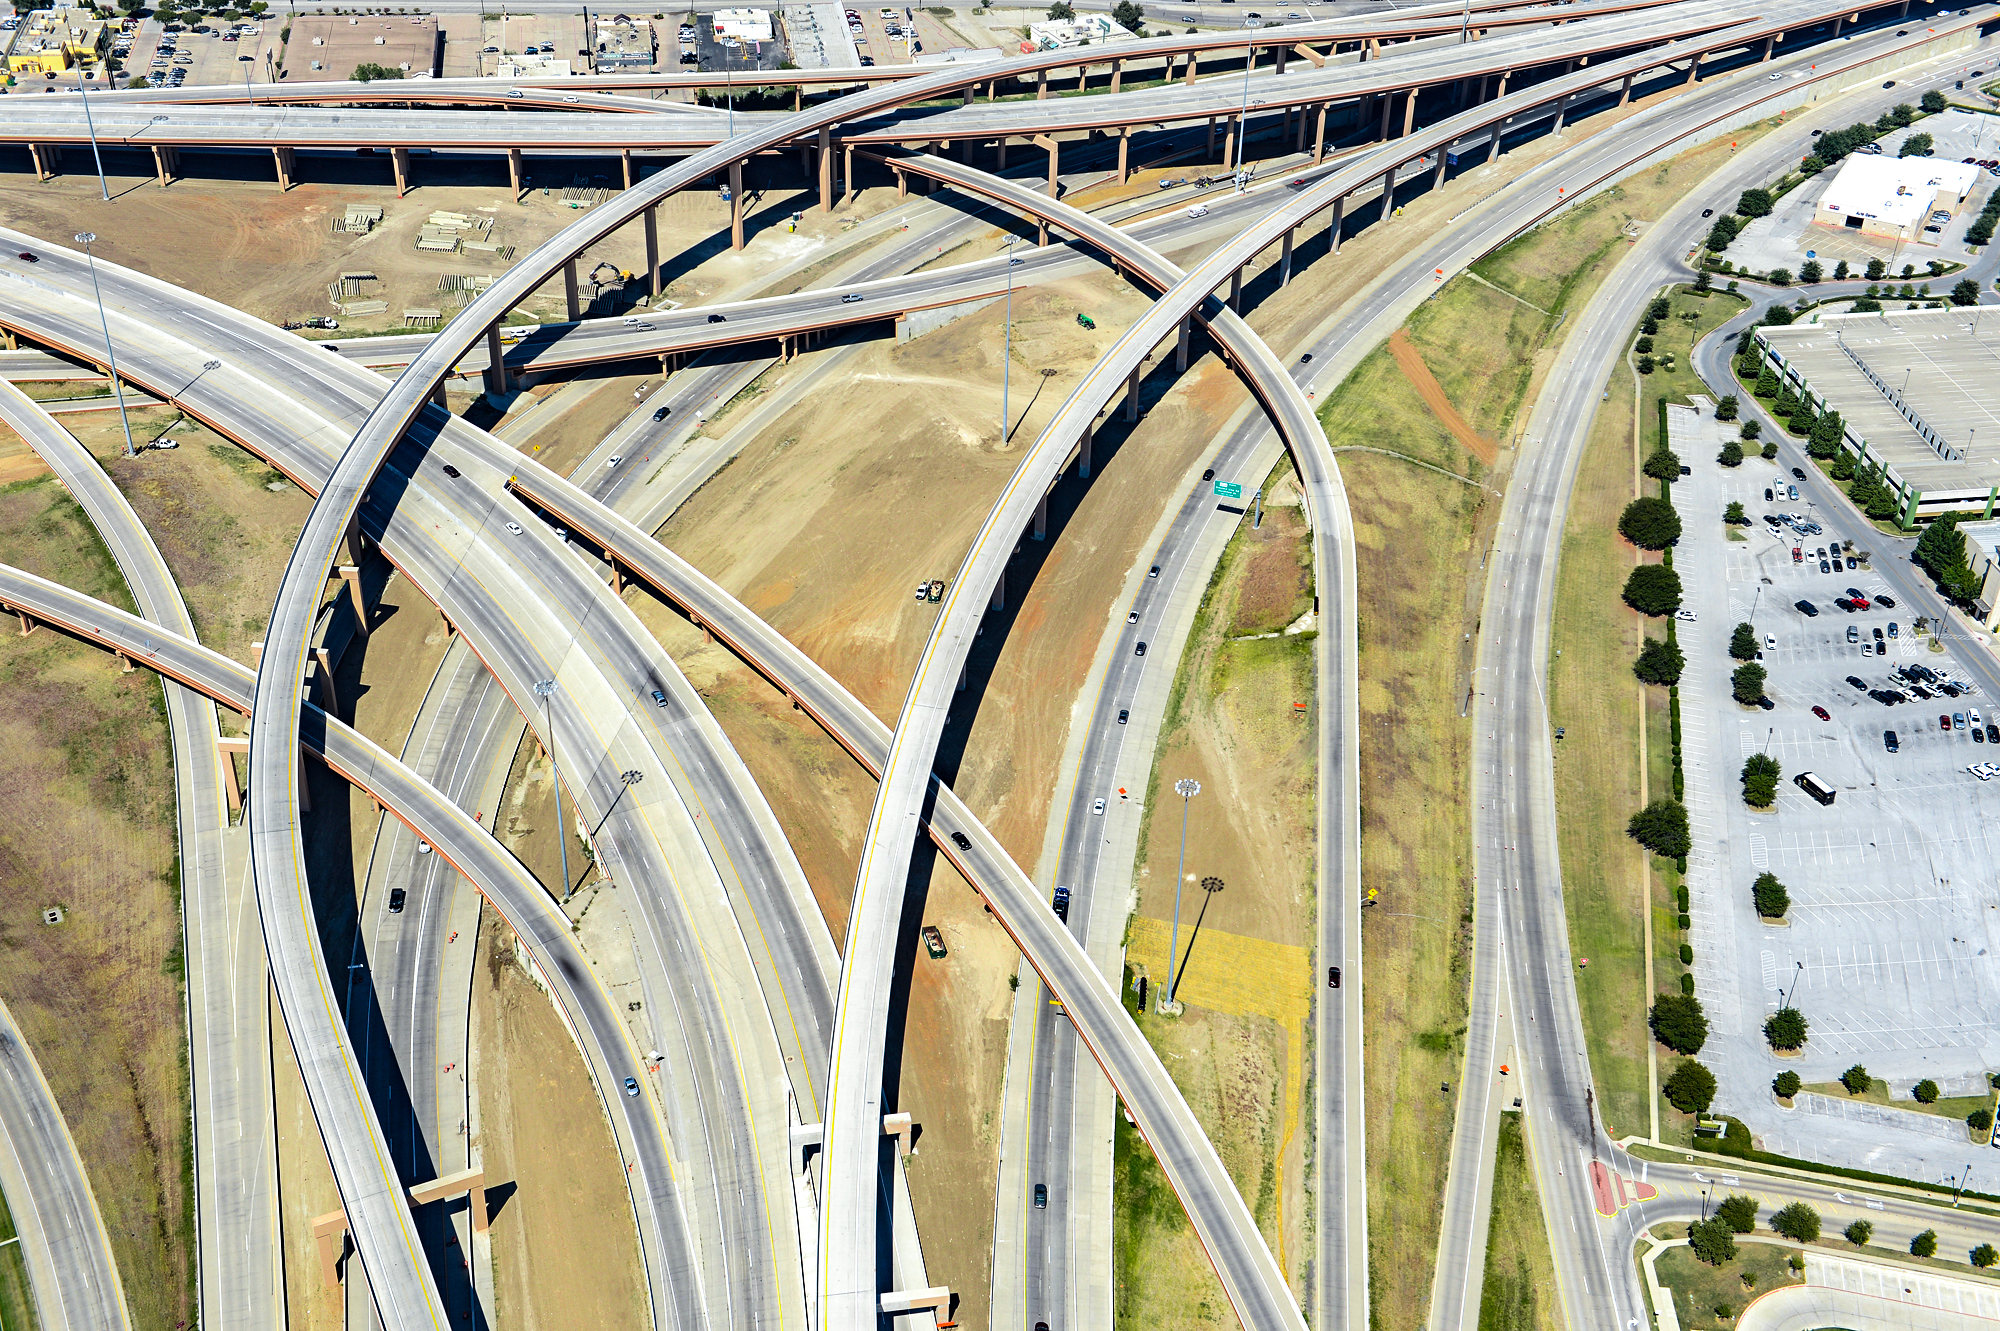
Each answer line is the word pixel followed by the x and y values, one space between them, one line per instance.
pixel 1891 941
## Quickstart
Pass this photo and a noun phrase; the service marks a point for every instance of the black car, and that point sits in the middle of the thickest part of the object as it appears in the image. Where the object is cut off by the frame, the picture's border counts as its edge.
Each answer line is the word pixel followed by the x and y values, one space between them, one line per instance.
pixel 1767 494
pixel 1889 741
pixel 1140 650
pixel 451 471
pixel 1708 212
pixel 1061 904
pixel 1992 733
pixel 396 899
pixel 1333 977
pixel 718 318
pixel 1807 608
pixel 1857 682
pixel 1153 572
pixel 663 413
pixel 1306 359
pixel 1041 1196
pixel 1123 715
pixel 1887 602
pixel 1798 475
pixel 1208 474
pixel 961 840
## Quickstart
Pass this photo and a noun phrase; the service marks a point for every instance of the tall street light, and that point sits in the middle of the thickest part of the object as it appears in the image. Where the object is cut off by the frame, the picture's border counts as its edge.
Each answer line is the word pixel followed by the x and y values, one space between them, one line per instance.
pixel 91 126
pixel 543 688
pixel 111 353
pixel 1007 344
pixel 1210 886
pixel 1187 788
pixel 1243 116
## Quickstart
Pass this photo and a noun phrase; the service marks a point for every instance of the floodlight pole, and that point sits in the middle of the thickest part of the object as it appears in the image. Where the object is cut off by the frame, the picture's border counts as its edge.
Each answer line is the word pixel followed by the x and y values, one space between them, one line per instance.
pixel 111 353
pixel 91 126
pixel 543 688
pixel 1187 788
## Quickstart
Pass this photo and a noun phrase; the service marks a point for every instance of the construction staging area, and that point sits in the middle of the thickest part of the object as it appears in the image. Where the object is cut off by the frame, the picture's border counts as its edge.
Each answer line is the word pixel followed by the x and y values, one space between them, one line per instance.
pixel 647 703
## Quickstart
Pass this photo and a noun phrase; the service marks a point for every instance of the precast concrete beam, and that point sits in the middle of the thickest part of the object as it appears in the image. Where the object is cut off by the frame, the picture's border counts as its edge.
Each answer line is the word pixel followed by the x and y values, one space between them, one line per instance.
pixel 286 158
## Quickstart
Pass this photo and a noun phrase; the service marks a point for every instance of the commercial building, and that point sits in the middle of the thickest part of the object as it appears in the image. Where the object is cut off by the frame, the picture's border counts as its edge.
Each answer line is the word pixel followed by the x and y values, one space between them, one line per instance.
pixel 334 47
pixel 1083 30
pixel 1894 198
pixel 51 41
pixel 1914 389
pixel 745 25
pixel 1982 556
pixel 623 43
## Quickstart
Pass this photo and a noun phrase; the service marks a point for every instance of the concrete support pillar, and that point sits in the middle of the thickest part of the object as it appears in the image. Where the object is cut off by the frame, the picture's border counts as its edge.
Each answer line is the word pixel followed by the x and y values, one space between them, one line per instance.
pixel 902 184
pixel 1388 193
pixel 1409 111
pixel 1041 85
pixel 1283 51
pixel 351 576
pixel 1625 92
pixel 27 623
pixel 41 157
pixel 847 170
pixel 1187 336
pixel 496 363
pixel 1838 21
pixel 963 672
pixel 226 749
pixel 1229 143
pixel 826 168
pixel 1694 65
pixel 1285 260
pixel 1769 42
pixel 305 789
pixel 1501 91
pixel 514 171
pixel 1041 232
pixel 1437 176
pixel 736 205
pixel 1124 145
pixel 999 602
pixel 1339 216
pixel 287 160
pixel 1319 134
pixel 1494 150
pixel 571 297
pixel 330 1233
pixel 1083 455
pixel 1000 155
pixel 1132 395
pixel 1299 143
pixel 1118 70
pixel 1210 148
pixel 437 395
pixel 1042 518
pixel 652 220
pixel 1055 158
pixel 1194 60
pixel 1388 100
pixel 125 666
pixel 163 169
pixel 1236 291
pixel 399 158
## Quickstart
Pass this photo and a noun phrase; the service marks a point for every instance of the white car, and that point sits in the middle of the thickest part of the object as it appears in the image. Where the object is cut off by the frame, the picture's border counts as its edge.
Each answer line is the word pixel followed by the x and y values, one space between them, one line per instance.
pixel 1097 807
pixel 1199 210
pixel 1972 715
pixel 924 591
pixel 1770 641
pixel 166 443
pixel 614 459
pixel 514 527
pixel 1684 614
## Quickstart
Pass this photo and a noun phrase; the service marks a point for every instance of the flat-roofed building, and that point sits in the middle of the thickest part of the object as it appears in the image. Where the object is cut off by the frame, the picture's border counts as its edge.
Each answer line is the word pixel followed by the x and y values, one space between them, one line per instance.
pixel 745 25
pixel 1914 389
pixel 1894 197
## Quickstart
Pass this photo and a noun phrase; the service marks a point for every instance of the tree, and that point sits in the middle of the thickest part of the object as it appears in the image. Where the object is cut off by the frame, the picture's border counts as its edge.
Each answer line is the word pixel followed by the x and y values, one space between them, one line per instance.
pixel 1643 345
pixel 1061 10
pixel 1653 589
pixel 1932 102
pixel 1781 277
pixel 1980 1120
pixel 1925 1092
pixel 1739 1213
pixel 1661 827
pixel 1691 1088
pixel 1941 547
pixel 1965 293
pixel 1727 408
pixel 1660 662
pixel 1746 685
pixel 1917 145
pixel 1859 1233
pixel 1679 1023
pixel 1924 1244
pixel 1650 522
pixel 1731 454
pixel 1703 284
pixel 1751 429
pixel 1646 365
pixel 1659 308
pixel 1128 15
pixel 1662 464
pixel 1983 1256
pixel 1755 202
pixel 1712 1241
pixel 1840 271
pixel 1769 452
pixel 1810 271
pixel 1760 771
pixel 1786 1084
pixel 368 73
pixel 1797 1222
pixel 1903 113
pixel 1734 514
pixel 1785 1029
pixel 1770 895
pixel 1876 270
pixel 1722 233
pixel 1856 1079
pixel 1811 164
pixel 1743 641
pixel 1767 383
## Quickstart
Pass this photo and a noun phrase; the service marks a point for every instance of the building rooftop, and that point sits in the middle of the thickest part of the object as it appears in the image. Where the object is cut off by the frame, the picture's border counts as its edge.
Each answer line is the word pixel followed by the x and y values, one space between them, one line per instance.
pixel 1922 387
pixel 1894 190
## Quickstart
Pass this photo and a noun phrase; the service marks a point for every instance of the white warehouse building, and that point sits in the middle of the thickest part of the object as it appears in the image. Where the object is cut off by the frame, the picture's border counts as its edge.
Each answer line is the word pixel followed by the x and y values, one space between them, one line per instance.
pixel 1893 197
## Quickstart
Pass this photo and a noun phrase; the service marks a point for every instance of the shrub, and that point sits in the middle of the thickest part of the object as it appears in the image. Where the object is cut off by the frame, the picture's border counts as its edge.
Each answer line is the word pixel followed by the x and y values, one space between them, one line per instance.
pixel 1780 277
pixel 1679 1023
pixel 1660 308
pixel 1747 686
pixel 1646 365
pixel 1660 662
pixel 1925 1092
pixel 1751 429
pixel 1859 1233
pixel 1756 202
pixel 1731 454
pixel 1724 1311
pixel 1980 1120
pixel 1691 1088
pixel 1687 954
pixel 1856 1079
pixel 1770 895
pixel 1653 589
pixel 1797 1222
pixel 1661 827
pixel 1768 452
pixel 1785 1029
pixel 1983 1256
pixel 1727 408
pixel 1924 1244
pixel 1739 1213
pixel 1650 523
pixel 1662 464
pixel 1712 1241
pixel 1786 1084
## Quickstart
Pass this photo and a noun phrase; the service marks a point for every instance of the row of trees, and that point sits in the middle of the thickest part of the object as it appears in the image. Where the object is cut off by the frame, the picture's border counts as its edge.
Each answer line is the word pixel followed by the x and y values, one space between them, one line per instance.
pixel 1941 553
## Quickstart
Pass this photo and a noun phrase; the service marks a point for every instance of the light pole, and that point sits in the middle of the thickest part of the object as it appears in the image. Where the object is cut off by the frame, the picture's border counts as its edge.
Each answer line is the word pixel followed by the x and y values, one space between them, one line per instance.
pixel 1007 343
pixel 1187 788
pixel 545 687
pixel 1243 116
pixel 1209 886
pixel 111 353
pixel 91 126
pixel 1800 967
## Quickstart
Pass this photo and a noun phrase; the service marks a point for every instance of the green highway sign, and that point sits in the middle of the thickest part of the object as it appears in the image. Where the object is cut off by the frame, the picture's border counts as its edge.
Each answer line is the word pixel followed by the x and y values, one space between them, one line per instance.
pixel 1228 490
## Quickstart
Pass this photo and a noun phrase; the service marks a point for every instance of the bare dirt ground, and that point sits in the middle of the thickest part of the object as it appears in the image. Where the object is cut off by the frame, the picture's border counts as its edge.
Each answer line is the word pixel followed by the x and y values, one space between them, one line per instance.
pixel 564 1250
pixel 1411 362
pixel 86 804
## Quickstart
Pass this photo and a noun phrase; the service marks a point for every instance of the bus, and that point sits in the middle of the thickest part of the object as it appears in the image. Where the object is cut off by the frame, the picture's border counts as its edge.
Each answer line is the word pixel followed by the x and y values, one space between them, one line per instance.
pixel 1814 787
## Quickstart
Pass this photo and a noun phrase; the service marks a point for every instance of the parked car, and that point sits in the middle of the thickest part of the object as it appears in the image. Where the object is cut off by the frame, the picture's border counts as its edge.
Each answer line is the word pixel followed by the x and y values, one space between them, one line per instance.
pixel 1889 741
pixel 1806 608
pixel 1821 713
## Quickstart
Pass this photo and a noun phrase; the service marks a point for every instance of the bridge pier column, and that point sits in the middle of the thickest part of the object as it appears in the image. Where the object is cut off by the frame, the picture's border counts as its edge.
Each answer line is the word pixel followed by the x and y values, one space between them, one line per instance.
pixel 514 171
pixel 287 161
pixel 1501 91
pixel 1694 65
pixel 999 601
pixel 350 577
pixel 847 171
pixel 1282 53
pixel 1319 134
pixel 1229 142
pixel 41 157
pixel 1236 290
pixel 1194 60
pixel 902 185
pixel 1042 518
pixel 1769 42
pixel 225 750
pixel 1000 155
pixel 1124 145
pixel 1132 395
pixel 826 168
pixel 1118 67
pixel 736 205
pixel 1625 92
pixel 1388 194
pixel 1339 215
pixel 1083 454
pixel 437 395
pixel 1409 111
pixel 1055 157
pixel 496 363
pixel 1562 106
pixel 1210 148
pixel 625 165
pixel 1299 143
pixel 1041 85
pixel 1285 261
pixel 1387 99
pixel 1838 22
pixel 305 790
pixel 1494 151
pixel 570 300
pixel 27 623
pixel 1187 336
pixel 652 220
pixel 163 165
pixel 399 158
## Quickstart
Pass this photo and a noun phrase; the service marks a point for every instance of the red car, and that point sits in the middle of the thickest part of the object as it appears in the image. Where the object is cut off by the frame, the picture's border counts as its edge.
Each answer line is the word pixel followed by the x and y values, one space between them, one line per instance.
pixel 1820 712
pixel 1944 722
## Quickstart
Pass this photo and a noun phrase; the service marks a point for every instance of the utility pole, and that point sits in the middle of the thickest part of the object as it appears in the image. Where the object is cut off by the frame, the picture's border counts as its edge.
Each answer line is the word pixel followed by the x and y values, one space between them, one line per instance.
pixel 1187 788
